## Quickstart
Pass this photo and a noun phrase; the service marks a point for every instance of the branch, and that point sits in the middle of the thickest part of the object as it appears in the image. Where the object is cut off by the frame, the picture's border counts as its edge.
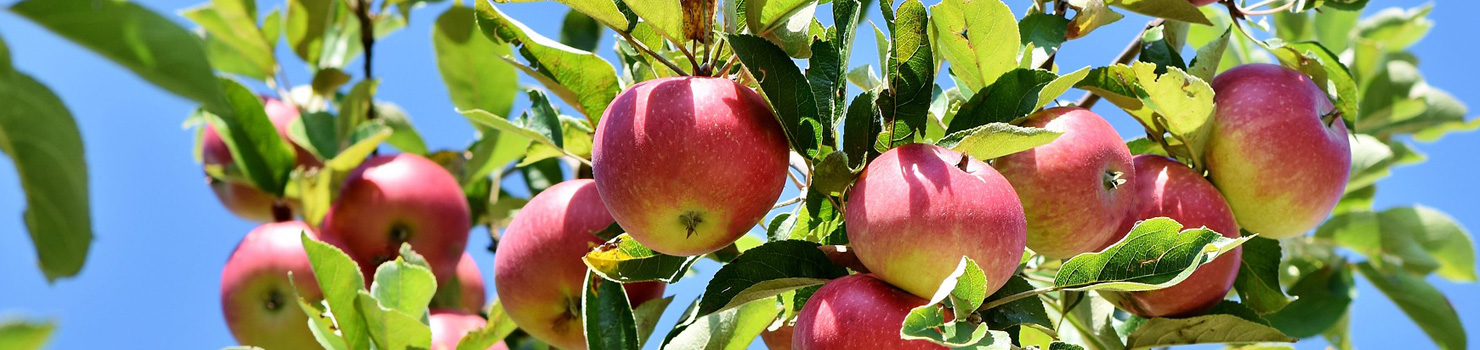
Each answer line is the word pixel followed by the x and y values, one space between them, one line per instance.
pixel 1130 52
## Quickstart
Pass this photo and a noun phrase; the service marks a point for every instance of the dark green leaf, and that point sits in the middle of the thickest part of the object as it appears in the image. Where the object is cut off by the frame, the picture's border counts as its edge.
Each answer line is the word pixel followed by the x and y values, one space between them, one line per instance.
pixel 1158 49
pixel 623 259
pixel 910 75
pixel 607 317
pixel 580 31
pixel 1156 254
pixel 1043 31
pixel 542 175
pixel 1022 312
pixel 1258 281
pixel 1323 296
pixel 832 175
pixel 929 323
pixel 1012 96
pixel 860 127
pixel 786 88
pixel 354 109
pixel 1425 305
pixel 767 271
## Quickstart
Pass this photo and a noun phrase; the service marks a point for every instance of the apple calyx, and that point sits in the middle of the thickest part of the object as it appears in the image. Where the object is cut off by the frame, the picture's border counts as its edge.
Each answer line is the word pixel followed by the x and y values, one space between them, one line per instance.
pixel 691 220
pixel 1113 179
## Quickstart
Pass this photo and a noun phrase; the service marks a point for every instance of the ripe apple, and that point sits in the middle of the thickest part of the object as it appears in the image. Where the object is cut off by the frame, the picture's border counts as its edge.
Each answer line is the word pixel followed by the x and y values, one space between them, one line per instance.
pixel 244 199
pixel 257 297
pixel 450 325
pixel 1273 153
pixel 687 165
pixel 917 209
pixel 396 199
pixel 1071 188
pixel 538 269
pixel 471 281
pixel 779 339
pixel 1168 188
pixel 857 312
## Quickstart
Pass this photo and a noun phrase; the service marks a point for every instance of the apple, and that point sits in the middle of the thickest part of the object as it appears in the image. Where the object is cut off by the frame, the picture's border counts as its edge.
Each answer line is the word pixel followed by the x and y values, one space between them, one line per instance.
pixel 1272 151
pixel 450 325
pixel 1071 188
pixel 471 281
pixel 917 209
pixel 244 199
pixel 857 312
pixel 258 299
pixel 538 269
pixel 687 165
pixel 396 199
pixel 1168 188
pixel 1202 2
pixel 779 339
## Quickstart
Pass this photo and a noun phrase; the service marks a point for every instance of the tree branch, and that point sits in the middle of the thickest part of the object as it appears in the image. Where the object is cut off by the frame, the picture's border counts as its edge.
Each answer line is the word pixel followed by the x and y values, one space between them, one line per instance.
pixel 1130 52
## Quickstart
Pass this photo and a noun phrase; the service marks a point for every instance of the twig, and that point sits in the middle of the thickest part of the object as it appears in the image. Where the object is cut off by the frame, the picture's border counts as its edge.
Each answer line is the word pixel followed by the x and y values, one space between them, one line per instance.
pixel 1015 297
pixel 1248 13
pixel 640 46
pixel 1130 52
pixel 367 40
pixel 796 200
pixel 689 54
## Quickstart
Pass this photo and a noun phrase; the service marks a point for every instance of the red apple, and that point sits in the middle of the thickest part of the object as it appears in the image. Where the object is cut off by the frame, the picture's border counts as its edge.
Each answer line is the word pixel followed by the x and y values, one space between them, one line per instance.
pixel 687 165
pixel 396 199
pixel 779 339
pixel 471 280
pixel 917 209
pixel 450 325
pixel 538 270
pixel 1071 188
pixel 1168 188
pixel 857 312
pixel 257 297
pixel 244 199
pixel 1279 164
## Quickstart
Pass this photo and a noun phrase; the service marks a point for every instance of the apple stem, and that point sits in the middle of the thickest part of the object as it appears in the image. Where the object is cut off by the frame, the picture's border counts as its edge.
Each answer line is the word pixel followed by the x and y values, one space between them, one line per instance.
pixel 649 51
pixel 281 212
pixel 1130 52
pixel 367 40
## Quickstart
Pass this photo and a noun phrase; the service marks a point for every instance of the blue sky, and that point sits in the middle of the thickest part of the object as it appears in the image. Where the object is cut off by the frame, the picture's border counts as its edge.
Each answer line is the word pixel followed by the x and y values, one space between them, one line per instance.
pixel 152 279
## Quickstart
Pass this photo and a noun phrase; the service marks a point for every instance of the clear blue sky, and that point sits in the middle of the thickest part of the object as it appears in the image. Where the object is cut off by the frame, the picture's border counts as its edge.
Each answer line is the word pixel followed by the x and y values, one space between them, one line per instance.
pixel 152 279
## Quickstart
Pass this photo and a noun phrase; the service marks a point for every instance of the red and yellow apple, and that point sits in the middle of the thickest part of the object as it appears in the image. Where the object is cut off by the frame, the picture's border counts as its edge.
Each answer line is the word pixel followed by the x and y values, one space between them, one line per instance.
pixel 450 325
pixel 538 270
pixel 395 199
pixel 687 165
pixel 257 297
pixel 917 209
pixel 1071 188
pixel 856 312
pixel 1278 152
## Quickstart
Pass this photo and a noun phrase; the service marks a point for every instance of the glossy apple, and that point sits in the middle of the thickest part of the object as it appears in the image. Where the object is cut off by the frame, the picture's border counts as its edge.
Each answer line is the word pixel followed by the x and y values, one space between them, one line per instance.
pixel 257 297
pixel 450 325
pixel 1071 188
pixel 538 269
pixel 917 209
pixel 1279 164
pixel 687 165
pixel 1170 189
pixel 396 199
pixel 856 312
pixel 244 199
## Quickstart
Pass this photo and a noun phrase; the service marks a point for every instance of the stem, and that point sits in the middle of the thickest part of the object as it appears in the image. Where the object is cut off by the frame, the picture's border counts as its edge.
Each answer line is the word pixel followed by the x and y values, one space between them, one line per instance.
pixel 1015 297
pixel 796 200
pixel 281 212
pixel 1130 52
pixel 367 40
pixel 640 46
pixel 1286 6
pixel 689 54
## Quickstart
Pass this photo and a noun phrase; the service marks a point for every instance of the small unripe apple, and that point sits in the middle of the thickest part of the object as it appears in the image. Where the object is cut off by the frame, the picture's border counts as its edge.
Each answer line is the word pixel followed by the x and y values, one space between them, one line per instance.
pixel 856 312
pixel 917 209
pixel 1168 188
pixel 257 297
pixel 779 339
pixel 395 199
pixel 538 272
pixel 244 199
pixel 1071 188
pixel 1278 150
pixel 687 165
pixel 450 325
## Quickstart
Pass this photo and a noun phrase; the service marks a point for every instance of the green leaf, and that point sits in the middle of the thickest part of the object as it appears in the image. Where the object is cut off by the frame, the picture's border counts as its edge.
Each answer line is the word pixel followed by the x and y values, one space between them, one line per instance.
pixel 998 139
pixel 623 259
pixel 41 138
pixel 340 280
pixel 25 335
pixel 232 25
pixel 1143 145
pixel 1394 29
pixel 910 74
pixel 520 129
pixel 1324 293
pixel 767 271
pixel 732 329
pixel 832 175
pixel 363 141
pixel 607 317
pixel 1088 16
pixel 1180 10
pixel 541 175
pixel 1205 65
pixel 354 108
pixel 404 287
pixel 785 87
pixel 1158 48
pixel 1022 312
pixel 665 16
pixel 647 316
pixel 1156 254
pixel 1176 101
pixel 787 23
pixel 1043 31
pixel 817 220
pixel 1228 322
pixel 860 126
pixel 1325 70
pixel 307 23
pixel 146 43
pixel 966 288
pixel 579 31
pixel 979 38
pixel 470 66
pixel 403 136
pixel 492 151
pixel 256 147
pixel 826 70
pixel 582 79
pixel 929 323
pixel 1441 237
pixel 392 329
pixel 499 326
pixel 1425 305
pixel 1013 95
pixel 1258 281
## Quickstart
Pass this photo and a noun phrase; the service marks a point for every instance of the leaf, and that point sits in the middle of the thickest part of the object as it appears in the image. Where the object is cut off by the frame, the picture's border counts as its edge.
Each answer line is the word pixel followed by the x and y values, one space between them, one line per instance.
pixel 860 126
pixel 1088 16
pixel 1158 48
pixel 1175 102
pixel 607 317
pixel 1205 65
pixel 1043 31
pixel 507 127
pixel 403 286
pixel 339 278
pixel 1325 70
pixel 785 87
pixel 910 75
pixel 582 79
pixel 1440 236
pixel 470 66
pixel 998 139
pixel 256 147
pixel 232 25
pixel 491 152
pixel 966 288
pixel 732 329
pixel 319 321
pixel 403 135
pixel 979 38
pixel 647 316
pixel 817 220
pixel 786 23
pixel 1324 293
pixel 1228 322
pixel 623 259
pixel 1022 312
pixel 826 70
pixel 1258 282
pixel 1180 10
pixel 1156 254
pixel 928 323
pixel 307 23
pixel 766 271
pixel 580 31
pixel 1011 96
pixel 499 326
pixel 392 329
pixel 146 43
pixel 354 108
pixel 1143 145
pixel 363 141
pixel 25 335
pixel 832 175
pixel 1425 305
pixel 1395 29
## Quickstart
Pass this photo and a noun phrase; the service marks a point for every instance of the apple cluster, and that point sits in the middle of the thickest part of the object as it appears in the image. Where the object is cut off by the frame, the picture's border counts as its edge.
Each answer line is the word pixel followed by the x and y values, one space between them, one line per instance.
pixel 386 202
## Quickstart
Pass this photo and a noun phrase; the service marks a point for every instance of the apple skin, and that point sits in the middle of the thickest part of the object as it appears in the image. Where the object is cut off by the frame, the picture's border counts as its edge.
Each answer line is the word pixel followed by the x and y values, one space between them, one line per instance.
pixel 913 213
pixel 687 165
pixel 1070 188
pixel 244 199
pixel 856 312
pixel 1280 166
pixel 400 198
pixel 450 325
pixel 779 339
pixel 257 297
pixel 471 292
pixel 538 272
pixel 1170 189
pixel 1202 2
